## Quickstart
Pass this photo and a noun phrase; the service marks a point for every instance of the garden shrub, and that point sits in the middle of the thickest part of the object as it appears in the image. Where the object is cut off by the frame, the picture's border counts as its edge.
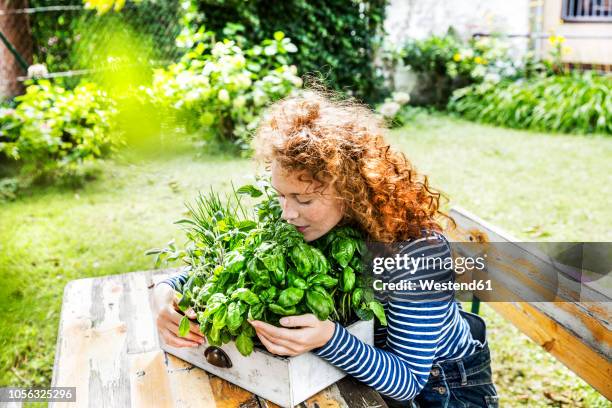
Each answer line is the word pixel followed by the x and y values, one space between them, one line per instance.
pixel 445 63
pixel 393 107
pixel 53 131
pixel 220 90
pixel 335 37
pixel 68 39
pixel 577 103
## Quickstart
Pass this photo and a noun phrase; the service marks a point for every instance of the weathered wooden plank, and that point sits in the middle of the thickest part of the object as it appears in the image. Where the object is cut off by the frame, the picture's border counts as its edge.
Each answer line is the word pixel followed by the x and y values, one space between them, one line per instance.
pixel 136 313
pixel 525 266
pixel 358 395
pixel 91 344
pixel 328 398
pixel 149 381
pixel 228 395
pixel 108 365
pixel 102 320
pixel 576 333
pixel 537 264
pixel 71 355
pixel 564 345
pixel 190 385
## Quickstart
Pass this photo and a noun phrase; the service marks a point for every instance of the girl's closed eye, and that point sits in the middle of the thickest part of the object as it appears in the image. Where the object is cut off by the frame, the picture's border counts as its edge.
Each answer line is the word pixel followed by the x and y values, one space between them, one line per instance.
pixel 305 202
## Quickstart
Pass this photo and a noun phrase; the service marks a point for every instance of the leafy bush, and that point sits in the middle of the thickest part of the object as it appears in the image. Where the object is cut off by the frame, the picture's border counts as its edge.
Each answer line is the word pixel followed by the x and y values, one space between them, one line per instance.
pixel 580 103
pixel 446 63
pixel 67 39
pixel 9 187
pixel 53 131
pixel 392 108
pixel 336 37
pixel 221 91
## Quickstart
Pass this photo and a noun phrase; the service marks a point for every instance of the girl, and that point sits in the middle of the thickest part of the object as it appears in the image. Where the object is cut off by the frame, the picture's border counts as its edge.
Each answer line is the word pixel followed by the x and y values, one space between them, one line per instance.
pixel 331 166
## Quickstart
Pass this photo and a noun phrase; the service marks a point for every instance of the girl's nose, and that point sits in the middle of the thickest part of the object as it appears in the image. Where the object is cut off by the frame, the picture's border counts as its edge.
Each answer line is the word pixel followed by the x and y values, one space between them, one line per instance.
pixel 289 212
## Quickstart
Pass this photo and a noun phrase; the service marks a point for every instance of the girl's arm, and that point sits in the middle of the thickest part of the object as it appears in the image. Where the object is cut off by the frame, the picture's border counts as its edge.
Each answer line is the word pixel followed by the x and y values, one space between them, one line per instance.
pixel 401 370
pixel 416 332
pixel 176 281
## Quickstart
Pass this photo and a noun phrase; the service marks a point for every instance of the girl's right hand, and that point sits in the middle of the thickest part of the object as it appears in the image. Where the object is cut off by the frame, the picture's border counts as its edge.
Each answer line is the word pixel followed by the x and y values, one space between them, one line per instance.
pixel 167 319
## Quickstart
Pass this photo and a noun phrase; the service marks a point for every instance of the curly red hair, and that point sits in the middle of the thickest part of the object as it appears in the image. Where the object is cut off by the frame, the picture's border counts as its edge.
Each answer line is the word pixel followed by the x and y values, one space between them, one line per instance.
pixel 341 142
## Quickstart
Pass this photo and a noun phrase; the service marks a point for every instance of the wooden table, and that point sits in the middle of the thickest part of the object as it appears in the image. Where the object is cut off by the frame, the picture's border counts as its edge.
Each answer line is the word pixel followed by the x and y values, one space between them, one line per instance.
pixel 108 348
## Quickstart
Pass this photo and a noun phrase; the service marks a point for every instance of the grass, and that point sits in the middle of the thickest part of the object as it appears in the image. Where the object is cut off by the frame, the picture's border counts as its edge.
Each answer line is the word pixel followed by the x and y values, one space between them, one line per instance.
pixel 535 186
pixel 544 187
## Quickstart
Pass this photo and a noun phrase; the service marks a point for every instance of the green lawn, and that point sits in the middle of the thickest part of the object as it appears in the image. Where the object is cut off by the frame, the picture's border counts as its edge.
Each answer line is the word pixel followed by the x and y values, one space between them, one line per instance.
pixel 536 186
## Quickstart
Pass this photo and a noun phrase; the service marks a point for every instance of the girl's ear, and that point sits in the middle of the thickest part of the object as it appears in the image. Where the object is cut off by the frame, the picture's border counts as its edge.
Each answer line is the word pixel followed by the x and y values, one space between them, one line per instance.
pixel 344 206
pixel 344 209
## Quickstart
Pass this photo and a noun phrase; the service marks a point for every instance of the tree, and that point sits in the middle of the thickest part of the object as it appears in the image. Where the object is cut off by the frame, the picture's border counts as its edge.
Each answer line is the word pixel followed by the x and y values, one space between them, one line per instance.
pixel 15 30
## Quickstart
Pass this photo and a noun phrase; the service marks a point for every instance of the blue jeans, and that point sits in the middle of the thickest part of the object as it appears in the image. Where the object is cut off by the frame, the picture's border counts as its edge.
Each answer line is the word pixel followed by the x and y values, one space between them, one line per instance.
pixel 463 382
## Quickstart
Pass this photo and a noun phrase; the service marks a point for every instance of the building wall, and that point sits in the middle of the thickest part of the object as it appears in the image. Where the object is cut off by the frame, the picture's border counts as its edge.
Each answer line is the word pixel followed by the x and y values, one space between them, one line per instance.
pixel 585 51
pixel 422 18
pixel 419 19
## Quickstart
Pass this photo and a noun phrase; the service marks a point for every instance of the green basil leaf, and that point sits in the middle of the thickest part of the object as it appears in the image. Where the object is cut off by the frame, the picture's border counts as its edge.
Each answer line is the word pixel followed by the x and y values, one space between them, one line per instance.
pixel 348 279
pixel 357 296
pixel 300 256
pixel 323 280
pixel 256 311
pixel 244 344
pixel 365 314
pixel 290 297
pixel 226 336
pixel 318 304
pixel 184 327
pixel 379 311
pixel 214 303
pixel 234 316
pixel 246 295
pixel 250 190
pixel 219 320
pixel 295 281
pixel 214 336
pixel 206 292
pixel 185 302
pixel 343 250
pixel 283 311
pixel 233 262
pixel 320 264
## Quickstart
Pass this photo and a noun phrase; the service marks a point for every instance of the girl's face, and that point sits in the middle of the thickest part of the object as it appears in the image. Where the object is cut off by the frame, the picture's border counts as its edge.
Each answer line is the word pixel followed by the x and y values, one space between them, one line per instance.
pixel 313 213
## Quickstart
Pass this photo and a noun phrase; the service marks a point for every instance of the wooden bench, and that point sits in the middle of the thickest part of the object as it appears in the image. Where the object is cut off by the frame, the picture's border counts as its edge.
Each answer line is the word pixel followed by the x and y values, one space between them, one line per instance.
pixel 577 333
pixel 108 348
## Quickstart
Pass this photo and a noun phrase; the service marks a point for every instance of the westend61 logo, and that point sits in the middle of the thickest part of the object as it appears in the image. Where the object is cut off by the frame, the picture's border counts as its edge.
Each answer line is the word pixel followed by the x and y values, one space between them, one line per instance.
pixel 405 263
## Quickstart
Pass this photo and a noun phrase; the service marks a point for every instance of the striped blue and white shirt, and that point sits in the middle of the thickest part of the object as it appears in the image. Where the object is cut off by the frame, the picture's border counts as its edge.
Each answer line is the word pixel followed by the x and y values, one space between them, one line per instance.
pixel 418 334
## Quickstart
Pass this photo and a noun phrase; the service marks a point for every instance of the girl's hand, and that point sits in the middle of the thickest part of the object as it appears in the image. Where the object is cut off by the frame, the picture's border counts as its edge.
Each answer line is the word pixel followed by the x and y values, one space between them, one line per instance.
pixel 309 333
pixel 167 319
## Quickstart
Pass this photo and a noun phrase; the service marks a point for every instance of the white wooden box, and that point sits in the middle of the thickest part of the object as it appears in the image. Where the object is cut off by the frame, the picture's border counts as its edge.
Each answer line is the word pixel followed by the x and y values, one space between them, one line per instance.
pixel 286 381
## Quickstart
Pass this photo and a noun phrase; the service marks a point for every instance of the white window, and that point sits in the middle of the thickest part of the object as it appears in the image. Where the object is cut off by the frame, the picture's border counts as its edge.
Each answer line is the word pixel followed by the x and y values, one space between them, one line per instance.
pixel 587 10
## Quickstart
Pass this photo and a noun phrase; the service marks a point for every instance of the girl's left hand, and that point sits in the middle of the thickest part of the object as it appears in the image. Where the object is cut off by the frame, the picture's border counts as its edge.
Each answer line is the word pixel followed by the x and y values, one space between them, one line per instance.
pixel 312 333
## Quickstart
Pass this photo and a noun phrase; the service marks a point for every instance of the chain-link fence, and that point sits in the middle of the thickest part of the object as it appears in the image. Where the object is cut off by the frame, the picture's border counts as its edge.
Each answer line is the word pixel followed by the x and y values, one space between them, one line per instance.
pixel 72 41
